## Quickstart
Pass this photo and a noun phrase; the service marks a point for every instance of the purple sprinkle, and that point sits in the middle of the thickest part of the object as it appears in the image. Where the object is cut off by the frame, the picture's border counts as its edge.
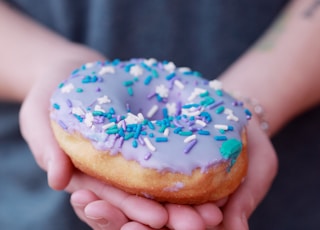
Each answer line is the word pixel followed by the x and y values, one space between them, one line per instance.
pixel 69 103
pixel 128 107
pixel 98 119
pixel 151 95
pixel 148 156
pixel 120 143
pixel 124 125
pixel 190 145
pixel 98 89
pixel 62 124
pixel 176 123
pixel 214 105
pixel 141 141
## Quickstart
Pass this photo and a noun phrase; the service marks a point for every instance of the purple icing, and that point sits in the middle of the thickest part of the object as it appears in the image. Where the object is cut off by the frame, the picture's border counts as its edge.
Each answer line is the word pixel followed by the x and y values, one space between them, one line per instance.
pixel 116 119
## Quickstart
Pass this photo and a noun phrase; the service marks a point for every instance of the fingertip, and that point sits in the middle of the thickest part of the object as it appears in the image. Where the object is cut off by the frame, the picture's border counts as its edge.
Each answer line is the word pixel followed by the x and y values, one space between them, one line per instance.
pixel 210 213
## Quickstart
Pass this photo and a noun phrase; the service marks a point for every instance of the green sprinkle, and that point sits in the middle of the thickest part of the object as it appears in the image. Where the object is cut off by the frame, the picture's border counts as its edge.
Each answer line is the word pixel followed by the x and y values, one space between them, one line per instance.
pixel 130 91
pixel 185 133
pixel 231 148
pixel 220 109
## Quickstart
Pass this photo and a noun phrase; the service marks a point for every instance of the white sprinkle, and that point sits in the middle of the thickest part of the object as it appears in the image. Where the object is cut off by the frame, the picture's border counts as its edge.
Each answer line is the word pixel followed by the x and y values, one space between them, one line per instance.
pixel 119 124
pixel 162 91
pixel 166 132
pixel 89 65
pixel 67 88
pixel 220 126
pixel 140 117
pixel 132 119
pixel 189 112
pixel 230 115
pixel 172 108
pixel 106 126
pixel 98 108
pixel 152 111
pixel 170 67
pixel 215 84
pixel 136 70
pixel 179 84
pixel 150 61
pixel 88 120
pixel 201 123
pixel 107 69
pixel 149 145
pixel 189 138
pixel 184 69
pixel 77 111
pixel 196 92
pixel 103 100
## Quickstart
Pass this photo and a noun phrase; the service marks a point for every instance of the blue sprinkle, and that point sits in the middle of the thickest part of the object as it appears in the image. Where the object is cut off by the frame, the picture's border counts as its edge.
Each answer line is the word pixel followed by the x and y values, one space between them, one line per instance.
pixel 138 130
pixel 177 130
pixel 165 112
pixel 170 76
pixel 56 106
pixel 111 110
pixel 116 62
pixel 148 80
pixel 134 143
pixel 151 135
pixel 161 139
pixel 220 138
pixel 144 65
pixel 230 128
pixel 203 132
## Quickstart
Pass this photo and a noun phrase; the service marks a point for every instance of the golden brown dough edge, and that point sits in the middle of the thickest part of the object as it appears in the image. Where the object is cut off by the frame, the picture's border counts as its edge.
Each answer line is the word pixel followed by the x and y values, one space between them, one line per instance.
pixel 216 183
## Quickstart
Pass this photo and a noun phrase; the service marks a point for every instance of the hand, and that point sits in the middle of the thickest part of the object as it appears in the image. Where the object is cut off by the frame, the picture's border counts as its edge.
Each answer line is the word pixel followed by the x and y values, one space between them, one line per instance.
pixel 137 212
pixel 262 169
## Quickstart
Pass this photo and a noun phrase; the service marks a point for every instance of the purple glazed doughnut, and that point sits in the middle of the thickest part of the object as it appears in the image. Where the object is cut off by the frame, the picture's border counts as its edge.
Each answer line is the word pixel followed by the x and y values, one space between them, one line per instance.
pixel 152 129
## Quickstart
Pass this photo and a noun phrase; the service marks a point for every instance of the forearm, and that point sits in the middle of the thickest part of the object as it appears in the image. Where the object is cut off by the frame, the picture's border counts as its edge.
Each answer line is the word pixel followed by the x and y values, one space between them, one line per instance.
pixel 29 51
pixel 282 70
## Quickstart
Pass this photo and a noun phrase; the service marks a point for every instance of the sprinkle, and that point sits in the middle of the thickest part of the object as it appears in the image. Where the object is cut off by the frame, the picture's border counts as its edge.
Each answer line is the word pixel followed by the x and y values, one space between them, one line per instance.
pixel 138 130
pixel 154 73
pixel 189 138
pixel 177 130
pixel 215 84
pixel 67 88
pixel 185 133
pixel 109 125
pixel 152 111
pixel 150 125
pixel 171 108
pixel 170 76
pixel 162 91
pixel 220 138
pixel 136 70
pixel 120 143
pixel 147 80
pixel 166 132
pixel 220 126
pixel 134 143
pixel 79 90
pixel 130 91
pixel 161 139
pixel 148 156
pixel 190 146
pixel 149 144
pixel 204 94
pixel 170 67
pixel 201 123
pixel 127 83
pixel 179 84
pixel 203 132
pixel 220 109
pixel 106 69
pixel 150 61
pixel 62 124
pixel 231 148
pixel 56 106
pixel 165 112
pixel 103 100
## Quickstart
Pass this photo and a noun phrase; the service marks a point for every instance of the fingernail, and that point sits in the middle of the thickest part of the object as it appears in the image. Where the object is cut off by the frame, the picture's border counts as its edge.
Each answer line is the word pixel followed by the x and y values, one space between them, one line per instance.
pixel 99 220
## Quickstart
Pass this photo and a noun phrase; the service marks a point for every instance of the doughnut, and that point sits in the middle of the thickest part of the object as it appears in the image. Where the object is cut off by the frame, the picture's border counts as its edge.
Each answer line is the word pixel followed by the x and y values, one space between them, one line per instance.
pixel 152 129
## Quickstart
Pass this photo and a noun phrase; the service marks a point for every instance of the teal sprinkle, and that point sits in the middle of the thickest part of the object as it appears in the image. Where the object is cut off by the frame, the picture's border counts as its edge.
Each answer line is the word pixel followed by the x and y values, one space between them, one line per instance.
pixel 197 74
pixel 230 128
pixel 207 116
pixel 121 132
pixel 130 91
pixel 219 92
pixel 148 80
pixel 113 119
pixel 207 101
pixel 247 112
pixel 161 139
pixel 161 130
pixel 203 132
pixel 192 118
pixel 188 106
pixel 145 122
pixel 144 133
pixel 138 130
pixel 220 109
pixel 165 112
pixel 134 143
pixel 116 62
pixel 79 90
pixel 78 117
pixel 185 133
pixel 136 79
pixel 75 71
pixel 170 76
pixel 61 85
pixel 128 67
pixel 231 148
pixel 112 131
pixel 98 113
pixel 127 83
pixel 144 65
pixel 128 136
pixel 111 110
pixel 220 138
pixel 222 131
pixel 204 94
pixel 151 135
pixel 154 73
pixel 188 73
pixel 56 106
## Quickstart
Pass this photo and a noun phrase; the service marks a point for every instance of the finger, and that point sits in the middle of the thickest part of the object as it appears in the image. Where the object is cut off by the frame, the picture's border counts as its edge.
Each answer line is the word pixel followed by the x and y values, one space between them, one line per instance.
pixel 183 217
pixel 150 213
pixel 210 214
pixel 135 226
pixel 35 127
pixel 103 215
pixel 261 172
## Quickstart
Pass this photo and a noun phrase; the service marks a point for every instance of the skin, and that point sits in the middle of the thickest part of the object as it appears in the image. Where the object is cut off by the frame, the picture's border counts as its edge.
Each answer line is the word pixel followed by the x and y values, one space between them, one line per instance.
pixel 254 75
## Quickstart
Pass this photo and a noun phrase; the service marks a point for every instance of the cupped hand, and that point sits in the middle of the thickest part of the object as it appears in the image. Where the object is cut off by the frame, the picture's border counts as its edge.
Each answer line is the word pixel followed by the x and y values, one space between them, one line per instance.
pixel 263 165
